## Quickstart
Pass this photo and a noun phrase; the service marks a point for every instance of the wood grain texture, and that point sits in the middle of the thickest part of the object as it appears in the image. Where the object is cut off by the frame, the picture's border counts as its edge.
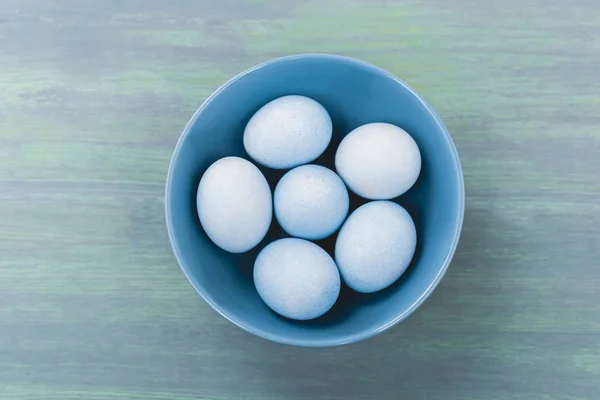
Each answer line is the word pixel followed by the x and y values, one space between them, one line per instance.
pixel 93 96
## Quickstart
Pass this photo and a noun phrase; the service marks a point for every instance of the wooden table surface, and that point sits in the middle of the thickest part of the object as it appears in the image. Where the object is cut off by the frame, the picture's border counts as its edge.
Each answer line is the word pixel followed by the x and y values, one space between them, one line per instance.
pixel 93 97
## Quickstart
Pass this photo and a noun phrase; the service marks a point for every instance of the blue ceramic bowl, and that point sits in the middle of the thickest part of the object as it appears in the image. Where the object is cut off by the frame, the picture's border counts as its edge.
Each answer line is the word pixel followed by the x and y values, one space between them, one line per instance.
pixel 354 93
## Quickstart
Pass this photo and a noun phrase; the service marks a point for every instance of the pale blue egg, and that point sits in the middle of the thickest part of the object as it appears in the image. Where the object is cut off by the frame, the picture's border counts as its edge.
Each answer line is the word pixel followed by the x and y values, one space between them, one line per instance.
pixel 375 246
pixel 296 278
pixel 234 204
pixel 287 132
pixel 378 161
pixel 311 202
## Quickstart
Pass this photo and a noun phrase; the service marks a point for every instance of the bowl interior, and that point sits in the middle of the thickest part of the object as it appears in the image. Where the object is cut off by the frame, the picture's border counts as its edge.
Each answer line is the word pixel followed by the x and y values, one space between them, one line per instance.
pixel 354 93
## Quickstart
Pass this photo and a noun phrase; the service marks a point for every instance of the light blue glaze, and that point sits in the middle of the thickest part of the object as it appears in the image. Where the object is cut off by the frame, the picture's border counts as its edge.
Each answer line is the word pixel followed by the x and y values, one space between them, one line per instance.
pixel 436 201
pixel 378 161
pixel 288 131
pixel 234 204
pixel 375 246
pixel 296 278
pixel 311 202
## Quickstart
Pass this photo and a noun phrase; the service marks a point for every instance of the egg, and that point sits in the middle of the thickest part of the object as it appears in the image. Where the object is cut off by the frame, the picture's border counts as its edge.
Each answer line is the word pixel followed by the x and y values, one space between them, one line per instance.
pixel 378 161
pixel 375 246
pixel 287 132
pixel 234 204
pixel 296 278
pixel 311 202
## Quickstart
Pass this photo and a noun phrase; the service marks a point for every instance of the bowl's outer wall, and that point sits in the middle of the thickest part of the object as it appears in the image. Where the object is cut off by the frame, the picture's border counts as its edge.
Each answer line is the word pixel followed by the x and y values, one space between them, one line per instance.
pixel 354 93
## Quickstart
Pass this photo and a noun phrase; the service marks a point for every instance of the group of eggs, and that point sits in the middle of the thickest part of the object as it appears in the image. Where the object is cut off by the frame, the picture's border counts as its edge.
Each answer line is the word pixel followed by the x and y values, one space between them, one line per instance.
pixel 294 276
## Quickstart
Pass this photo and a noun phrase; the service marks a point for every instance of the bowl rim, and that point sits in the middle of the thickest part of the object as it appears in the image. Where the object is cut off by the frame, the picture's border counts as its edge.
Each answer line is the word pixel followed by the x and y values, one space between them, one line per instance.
pixel 346 339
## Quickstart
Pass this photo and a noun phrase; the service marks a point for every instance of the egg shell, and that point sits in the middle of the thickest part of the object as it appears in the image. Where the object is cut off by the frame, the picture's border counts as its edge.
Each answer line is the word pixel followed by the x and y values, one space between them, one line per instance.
pixel 311 202
pixel 287 132
pixel 296 278
pixel 375 246
pixel 378 161
pixel 234 204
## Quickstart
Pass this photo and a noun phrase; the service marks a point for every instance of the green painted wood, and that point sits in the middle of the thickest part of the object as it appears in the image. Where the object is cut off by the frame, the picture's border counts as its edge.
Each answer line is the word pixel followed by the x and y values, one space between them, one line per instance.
pixel 93 96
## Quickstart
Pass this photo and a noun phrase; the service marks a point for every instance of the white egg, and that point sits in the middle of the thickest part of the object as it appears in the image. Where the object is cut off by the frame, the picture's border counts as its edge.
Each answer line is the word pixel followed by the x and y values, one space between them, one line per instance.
pixel 311 202
pixel 375 246
pixel 234 204
pixel 296 278
pixel 378 161
pixel 287 132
